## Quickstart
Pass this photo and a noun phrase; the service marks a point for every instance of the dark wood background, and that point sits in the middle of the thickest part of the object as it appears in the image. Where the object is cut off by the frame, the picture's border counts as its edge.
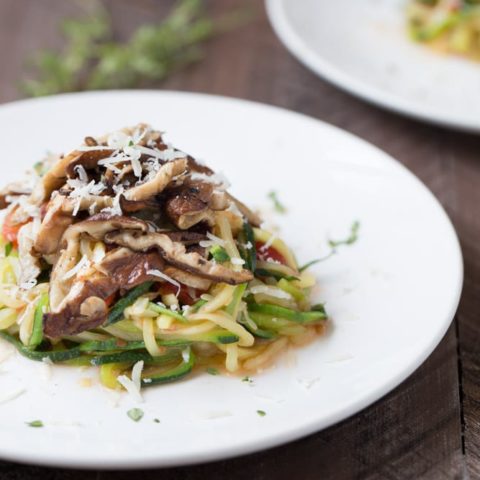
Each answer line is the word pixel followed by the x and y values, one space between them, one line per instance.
pixel 429 427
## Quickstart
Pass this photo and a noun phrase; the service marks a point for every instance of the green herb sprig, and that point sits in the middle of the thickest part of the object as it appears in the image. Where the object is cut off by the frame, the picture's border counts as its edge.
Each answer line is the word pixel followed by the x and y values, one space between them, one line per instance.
pixel 92 59
pixel 334 244
pixel 35 424
pixel 277 204
pixel 136 414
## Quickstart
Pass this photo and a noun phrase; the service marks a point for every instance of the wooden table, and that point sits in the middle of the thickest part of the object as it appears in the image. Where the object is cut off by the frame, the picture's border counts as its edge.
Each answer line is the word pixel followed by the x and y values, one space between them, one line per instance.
pixel 428 427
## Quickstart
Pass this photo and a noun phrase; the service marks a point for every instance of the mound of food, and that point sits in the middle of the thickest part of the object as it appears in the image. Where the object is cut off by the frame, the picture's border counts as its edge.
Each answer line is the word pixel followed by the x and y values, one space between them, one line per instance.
pixel 131 255
pixel 451 26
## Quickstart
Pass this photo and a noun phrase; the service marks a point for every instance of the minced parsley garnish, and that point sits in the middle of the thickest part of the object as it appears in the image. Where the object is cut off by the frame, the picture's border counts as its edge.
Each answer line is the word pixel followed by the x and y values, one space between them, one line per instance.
pixel 156 420
pixel 136 414
pixel 212 371
pixel 277 205
pixel 247 380
pixel 261 413
pixel 350 240
pixel 8 248
pixel 35 424
pixel 334 244
pixel 219 254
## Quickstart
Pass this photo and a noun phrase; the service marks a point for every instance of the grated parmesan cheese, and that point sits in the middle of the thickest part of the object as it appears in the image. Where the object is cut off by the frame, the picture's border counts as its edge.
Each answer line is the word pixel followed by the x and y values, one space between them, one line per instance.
pixel 81 190
pixel 271 291
pixel 83 264
pixel 237 261
pixel 82 173
pixel 137 374
pixel 163 276
pixel 116 208
pixel 29 284
pixel 212 241
pixel 14 394
pixel 217 179
pixel 214 415
pixel 233 208
pixel 186 355
pixel 130 387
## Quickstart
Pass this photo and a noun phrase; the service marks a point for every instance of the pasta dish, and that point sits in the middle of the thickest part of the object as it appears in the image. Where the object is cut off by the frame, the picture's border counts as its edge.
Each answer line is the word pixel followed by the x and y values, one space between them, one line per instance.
pixel 130 255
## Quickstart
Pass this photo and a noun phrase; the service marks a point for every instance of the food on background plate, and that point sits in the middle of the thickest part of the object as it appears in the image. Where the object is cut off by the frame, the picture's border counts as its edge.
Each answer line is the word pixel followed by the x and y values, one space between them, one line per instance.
pixel 451 26
pixel 130 255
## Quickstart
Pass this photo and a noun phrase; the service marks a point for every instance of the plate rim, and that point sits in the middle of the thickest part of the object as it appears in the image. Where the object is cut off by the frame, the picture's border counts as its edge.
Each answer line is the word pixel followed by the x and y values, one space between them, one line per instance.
pixel 350 84
pixel 296 432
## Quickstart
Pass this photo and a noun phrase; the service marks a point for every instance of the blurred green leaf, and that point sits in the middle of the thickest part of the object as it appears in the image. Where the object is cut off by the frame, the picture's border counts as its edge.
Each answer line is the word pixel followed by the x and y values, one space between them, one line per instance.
pixel 91 58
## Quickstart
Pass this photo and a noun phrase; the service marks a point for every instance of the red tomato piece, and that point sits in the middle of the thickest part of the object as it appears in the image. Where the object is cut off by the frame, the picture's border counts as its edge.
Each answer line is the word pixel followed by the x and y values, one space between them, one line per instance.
pixel 264 254
pixel 10 229
pixel 184 296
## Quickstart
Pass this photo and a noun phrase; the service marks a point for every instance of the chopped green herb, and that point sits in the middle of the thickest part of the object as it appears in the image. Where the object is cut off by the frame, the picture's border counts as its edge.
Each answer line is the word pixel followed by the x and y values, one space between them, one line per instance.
pixel 247 248
pixel 279 207
pixel 35 424
pixel 351 239
pixel 8 248
pixel 212 371
pixel 219 254
pixel 39 168
pixel 319 307
pixel 247 380
pixel 156 420
pixel 318 260
pixel 262 272
pixel 136 414
pixel 261 413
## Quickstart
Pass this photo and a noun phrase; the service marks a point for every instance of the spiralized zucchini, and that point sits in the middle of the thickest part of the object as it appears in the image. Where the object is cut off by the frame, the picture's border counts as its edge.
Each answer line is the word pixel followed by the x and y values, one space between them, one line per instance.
pixel 227 322
pixel 129 256
pixel 450 26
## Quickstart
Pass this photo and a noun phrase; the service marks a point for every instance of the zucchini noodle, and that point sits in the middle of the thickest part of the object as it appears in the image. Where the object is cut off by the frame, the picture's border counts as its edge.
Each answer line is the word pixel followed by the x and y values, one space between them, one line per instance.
pixel 8 317
pixel 263 359
pixel 447 26
pixel 136 260
pixel 246 339
pixel 149 338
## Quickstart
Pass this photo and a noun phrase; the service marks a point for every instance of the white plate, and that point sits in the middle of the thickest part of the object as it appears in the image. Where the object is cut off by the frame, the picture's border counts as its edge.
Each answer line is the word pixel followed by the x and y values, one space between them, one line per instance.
pixel 362 46
pixel 391 296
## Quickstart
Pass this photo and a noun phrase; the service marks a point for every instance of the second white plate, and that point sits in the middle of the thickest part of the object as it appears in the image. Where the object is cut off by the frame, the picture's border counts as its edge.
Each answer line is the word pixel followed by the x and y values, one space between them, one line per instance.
pixel 363 47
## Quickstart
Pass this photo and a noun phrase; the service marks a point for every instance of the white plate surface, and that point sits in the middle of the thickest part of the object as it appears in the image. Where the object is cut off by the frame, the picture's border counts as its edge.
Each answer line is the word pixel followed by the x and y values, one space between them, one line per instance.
pixel 391 296
pixel 362 46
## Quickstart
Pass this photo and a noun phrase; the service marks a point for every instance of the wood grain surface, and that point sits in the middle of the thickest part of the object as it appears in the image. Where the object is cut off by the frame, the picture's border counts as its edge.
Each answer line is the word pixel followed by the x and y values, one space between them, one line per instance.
pixel 429 427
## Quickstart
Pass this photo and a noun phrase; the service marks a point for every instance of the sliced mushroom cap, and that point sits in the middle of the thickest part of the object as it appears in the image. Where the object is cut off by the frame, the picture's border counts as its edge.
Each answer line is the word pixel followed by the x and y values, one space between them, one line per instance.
pixel 84 307
pixel 53 226
pixel 12 190
pixel 53 179
pixel 185 237
pixel 196 166
pixel 252 217
pixel 130 206
pixel 100 224
pixel 95 227
pixel 59 216
pixel 187 279
pixel 175 254
pixel 158 183
pixel 127 268
pixel 88 160
pixel 189 204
